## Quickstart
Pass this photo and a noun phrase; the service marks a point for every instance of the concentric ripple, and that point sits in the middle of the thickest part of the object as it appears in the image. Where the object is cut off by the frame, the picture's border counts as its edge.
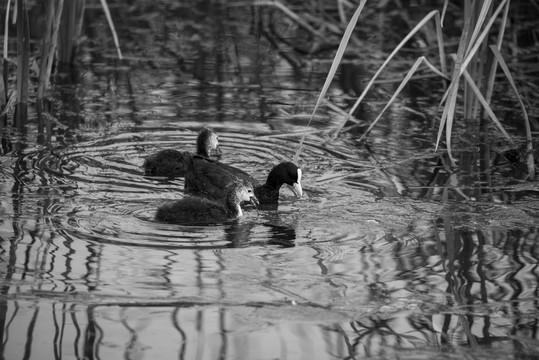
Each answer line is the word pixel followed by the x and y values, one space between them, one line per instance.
pixel 96 189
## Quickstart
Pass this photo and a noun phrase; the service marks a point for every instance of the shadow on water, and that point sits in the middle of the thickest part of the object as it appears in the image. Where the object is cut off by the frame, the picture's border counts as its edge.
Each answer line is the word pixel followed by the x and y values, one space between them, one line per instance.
pixel 392 252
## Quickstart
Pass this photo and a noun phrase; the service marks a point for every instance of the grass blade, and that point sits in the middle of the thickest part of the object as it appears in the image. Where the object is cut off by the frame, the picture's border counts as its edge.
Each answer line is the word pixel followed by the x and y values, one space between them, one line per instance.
pixel 54 13
pixel 393 53
pixel 4 59
pixel 23 53
pixel 404 82
pixel 529 144
pixel 23 64
pixel 112 29
pixel 492 71
pixel 331 74
pixel 478 22
pixel 441 45
pixel 444 10
pixel 486 106
pixel 6 29
pixel 446 120
pixel 470 54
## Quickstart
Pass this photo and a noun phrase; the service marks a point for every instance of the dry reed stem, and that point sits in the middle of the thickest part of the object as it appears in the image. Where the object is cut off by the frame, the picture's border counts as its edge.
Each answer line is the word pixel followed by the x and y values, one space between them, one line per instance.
pixel 23 52
pixel 385 63
pixel 54 14
pixel 112 29
pixel 333 69
pixel 450 98
pixel 529 144
pixel 404 82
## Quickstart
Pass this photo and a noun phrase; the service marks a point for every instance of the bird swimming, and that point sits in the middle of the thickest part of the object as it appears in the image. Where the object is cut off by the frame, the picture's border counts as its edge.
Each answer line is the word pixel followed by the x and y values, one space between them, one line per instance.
pixel 209 178
pixel 170 162
pixel 198 210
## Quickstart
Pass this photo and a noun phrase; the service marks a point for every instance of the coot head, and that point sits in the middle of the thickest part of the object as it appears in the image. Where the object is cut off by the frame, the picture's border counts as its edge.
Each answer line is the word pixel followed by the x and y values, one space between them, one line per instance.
pixel 241 192
pixel 208 143
pixel 286 173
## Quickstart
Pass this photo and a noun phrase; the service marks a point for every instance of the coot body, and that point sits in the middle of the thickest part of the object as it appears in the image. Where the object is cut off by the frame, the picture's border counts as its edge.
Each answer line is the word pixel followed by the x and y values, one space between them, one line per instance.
pixel 169 162
pixel 210 178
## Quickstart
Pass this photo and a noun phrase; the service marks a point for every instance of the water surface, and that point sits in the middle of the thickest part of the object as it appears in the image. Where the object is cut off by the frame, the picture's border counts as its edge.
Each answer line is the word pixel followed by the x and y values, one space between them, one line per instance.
pixel 370 263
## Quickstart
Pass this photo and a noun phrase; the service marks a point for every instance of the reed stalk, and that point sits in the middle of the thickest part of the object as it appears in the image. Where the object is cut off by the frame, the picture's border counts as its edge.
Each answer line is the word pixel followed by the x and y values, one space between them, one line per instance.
pixel 432 15
pixel 72 14
pixel 479 79
pixel 471 74
pixel 4 56
pixel 49 43
pixel 5 70
pixel 332 71
pixel 105 7
pixel 23 63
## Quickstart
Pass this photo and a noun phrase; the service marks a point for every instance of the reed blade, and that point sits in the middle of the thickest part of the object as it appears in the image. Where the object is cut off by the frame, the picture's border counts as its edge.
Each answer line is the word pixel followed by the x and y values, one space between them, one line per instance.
pixel 446 121
pixel 23 53
pixel 491 77
pixel 411 72
pixel 529 145
pixel 473 49
pixel 478 22
pixel 4 57
pixel 382 67
pixel 331 74
pixel 105 7
pixel 50 39
pixel 444 11
pixel 486 106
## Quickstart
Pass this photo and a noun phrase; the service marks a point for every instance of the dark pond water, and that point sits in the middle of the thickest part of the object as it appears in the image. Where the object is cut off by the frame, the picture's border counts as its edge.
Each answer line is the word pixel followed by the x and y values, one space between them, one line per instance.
pixel 369 263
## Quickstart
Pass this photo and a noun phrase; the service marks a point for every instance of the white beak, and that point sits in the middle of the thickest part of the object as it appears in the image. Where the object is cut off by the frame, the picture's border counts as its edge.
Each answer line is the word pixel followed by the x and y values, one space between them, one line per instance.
pixel 296 188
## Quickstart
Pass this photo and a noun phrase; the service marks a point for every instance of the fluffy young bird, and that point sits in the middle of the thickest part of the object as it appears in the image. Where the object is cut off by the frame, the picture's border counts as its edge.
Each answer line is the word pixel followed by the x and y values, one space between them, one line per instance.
pixel 170 162
pixel 198 210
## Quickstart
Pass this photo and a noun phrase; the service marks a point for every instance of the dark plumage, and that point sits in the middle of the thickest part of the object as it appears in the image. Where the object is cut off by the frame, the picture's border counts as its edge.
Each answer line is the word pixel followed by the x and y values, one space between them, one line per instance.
pixel 197 210
pixel 210 178
pixel 169 162
pixel 283 173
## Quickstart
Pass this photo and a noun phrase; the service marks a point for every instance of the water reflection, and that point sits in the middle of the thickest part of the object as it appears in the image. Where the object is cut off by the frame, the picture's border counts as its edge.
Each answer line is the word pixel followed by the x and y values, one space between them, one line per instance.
pixel 368 263
pixel 351 297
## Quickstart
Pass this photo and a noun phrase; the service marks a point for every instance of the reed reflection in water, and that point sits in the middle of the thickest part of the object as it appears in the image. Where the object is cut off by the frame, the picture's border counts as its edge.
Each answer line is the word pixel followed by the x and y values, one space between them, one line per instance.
pixel 347 272
pixel 368 296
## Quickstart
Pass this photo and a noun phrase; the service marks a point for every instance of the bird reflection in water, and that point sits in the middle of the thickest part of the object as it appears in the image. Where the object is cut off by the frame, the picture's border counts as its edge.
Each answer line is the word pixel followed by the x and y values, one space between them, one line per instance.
pixel 239 234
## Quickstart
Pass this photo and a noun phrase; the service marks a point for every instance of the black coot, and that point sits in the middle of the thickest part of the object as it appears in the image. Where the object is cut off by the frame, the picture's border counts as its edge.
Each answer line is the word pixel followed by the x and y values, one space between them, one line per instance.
pixel 210 178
